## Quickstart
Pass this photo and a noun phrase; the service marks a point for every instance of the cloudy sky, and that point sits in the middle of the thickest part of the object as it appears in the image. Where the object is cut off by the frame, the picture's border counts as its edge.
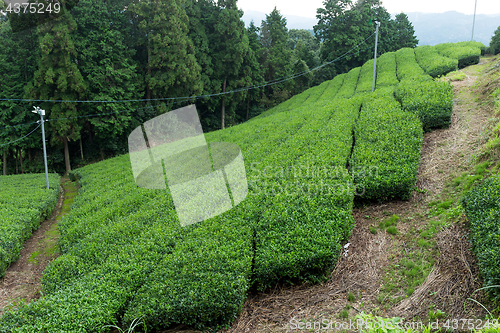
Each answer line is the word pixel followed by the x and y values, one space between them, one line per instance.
pixel 308 8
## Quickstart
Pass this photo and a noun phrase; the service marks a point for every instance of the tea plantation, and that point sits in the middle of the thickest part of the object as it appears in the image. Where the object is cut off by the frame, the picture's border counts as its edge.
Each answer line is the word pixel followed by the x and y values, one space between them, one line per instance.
pixel 24 203
pixel 125 255
pixel 482 207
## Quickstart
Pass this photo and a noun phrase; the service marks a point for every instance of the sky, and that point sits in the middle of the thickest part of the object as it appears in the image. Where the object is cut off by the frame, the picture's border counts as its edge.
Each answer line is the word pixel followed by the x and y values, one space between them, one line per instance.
pixel 307 8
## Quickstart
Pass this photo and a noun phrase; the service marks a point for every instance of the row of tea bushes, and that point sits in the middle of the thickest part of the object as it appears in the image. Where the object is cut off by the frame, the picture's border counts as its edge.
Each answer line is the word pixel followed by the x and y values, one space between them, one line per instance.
pixel 386 70
pixel 24 203
pixel 299 233
pixel 431 101
pixel 387 148
pixel 407 66
pixel 350 82
pixel 365 81
pixel 434 63
pixel 482 207
pixel 466 55
pixel 108 268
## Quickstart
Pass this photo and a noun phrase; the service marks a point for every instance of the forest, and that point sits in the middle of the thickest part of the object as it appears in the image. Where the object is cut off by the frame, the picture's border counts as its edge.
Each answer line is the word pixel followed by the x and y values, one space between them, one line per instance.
pixel 101 68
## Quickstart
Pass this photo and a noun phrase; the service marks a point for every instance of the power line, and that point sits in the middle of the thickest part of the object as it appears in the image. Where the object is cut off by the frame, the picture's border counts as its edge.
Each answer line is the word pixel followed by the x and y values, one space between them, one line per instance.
pixel 8 143
pixel 184 99
pixel 187 98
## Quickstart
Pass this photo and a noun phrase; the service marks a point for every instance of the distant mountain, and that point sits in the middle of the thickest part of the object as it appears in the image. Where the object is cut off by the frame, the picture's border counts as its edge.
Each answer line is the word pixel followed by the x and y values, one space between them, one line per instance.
pixel 430 28
pixel 453 26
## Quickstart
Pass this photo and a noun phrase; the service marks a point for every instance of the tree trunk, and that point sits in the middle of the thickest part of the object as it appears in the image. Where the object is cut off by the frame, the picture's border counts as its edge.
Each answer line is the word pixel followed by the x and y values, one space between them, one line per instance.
pixel 66 155
pixel 102 153
pixel 17 165
pixel 5 163
pixel 148 89
pixel 29 154
pixel 223 103
pixel 248 106
pixel 21 159
pixel 81 148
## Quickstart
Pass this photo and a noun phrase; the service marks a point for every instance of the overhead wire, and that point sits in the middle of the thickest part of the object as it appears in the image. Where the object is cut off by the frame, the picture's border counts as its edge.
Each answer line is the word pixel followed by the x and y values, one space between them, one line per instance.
pixel 8 143
pixel 176 100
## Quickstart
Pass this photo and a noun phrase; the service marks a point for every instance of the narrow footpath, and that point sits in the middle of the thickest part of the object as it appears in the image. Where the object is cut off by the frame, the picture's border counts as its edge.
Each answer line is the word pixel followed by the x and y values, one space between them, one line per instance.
pixel 22 279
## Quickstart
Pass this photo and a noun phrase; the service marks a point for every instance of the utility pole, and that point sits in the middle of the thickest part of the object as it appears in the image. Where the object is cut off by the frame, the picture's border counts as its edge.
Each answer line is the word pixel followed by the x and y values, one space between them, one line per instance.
pixel 375 57
pixel 42 113
pixel 473 22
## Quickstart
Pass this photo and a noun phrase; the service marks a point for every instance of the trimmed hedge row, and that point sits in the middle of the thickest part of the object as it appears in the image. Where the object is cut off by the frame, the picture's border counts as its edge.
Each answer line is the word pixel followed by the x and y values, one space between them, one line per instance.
pixel 24 204
pixel 386 70
pixel 350 82
pixel 431 101
pixel 106 271
pixel 387 147
pixel 407 66
pixel 466 55
pixel 482 207
pixel 365 81
pixel 433 63
pixel 474 44
pixel 332 89
pixel 299 232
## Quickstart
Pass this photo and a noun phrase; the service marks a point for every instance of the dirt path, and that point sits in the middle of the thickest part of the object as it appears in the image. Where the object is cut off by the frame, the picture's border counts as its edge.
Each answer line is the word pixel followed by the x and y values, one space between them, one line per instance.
pixel 371 276
pixel 22 279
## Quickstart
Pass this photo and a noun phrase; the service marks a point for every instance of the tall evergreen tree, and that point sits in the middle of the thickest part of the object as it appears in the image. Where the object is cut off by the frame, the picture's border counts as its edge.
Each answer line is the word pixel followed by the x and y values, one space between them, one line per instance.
pixel 342 25
pixel 276 56
pixel 106 64
pixel 405 34
pixel 338 30
pixel 19 55
pixel 58 78
pixel 230 46
pixel 495 41
pixel 171 69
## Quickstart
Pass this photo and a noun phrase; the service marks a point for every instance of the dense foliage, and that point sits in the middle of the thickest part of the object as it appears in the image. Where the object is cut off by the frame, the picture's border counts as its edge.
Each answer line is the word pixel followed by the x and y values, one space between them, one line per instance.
pixel 142 51
pixel 495 42
pixel 24 203
pixel 482 207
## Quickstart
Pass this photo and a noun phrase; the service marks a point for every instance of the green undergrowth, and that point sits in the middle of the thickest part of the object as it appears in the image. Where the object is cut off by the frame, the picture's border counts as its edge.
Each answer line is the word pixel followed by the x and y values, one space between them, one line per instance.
pixel 24 203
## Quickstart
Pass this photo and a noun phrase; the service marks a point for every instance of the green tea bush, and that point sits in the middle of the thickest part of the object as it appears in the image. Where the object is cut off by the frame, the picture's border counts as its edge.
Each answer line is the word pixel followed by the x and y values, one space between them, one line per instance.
pixel 332 89
pixel 365 81
pixel 24 203
pixel 433 63
pixel 431 101
pixel 291 243
pixel 466 55
pixel 349 86
pixel 482 207
pixel 407 66
pixel 386 70
pixel 387 147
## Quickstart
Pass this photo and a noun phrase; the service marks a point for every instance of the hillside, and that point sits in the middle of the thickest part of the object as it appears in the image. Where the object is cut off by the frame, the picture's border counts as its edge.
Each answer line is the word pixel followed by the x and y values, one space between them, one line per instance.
pixel 317 166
